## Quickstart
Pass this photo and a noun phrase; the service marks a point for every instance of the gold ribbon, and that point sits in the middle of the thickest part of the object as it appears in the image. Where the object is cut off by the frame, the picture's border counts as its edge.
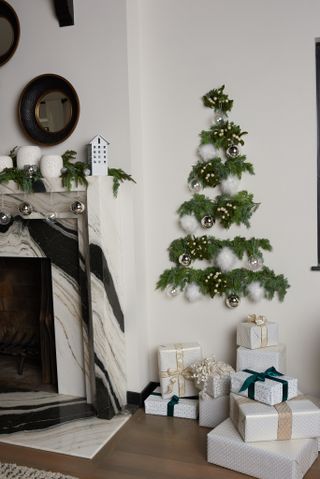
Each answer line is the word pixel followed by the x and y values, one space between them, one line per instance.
pixel 284 430
pixel 180 374
pixel 261 322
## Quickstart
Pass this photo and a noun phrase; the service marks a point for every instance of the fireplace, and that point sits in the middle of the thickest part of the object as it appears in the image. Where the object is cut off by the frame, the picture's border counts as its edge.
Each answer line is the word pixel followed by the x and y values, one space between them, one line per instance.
pixel 70 339
pixel 27 339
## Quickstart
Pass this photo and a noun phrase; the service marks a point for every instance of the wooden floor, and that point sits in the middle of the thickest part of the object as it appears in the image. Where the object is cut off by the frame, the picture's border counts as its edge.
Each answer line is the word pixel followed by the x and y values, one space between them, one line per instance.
pixel 147 447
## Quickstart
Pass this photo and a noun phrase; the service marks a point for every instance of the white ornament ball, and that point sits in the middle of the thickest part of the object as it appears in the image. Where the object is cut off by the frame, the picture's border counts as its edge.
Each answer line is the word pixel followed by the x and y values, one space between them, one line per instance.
pixel 226 259
pixel 192 292
pixel 189 223
pixel 230 185
pixel 255 291
pixel 207 151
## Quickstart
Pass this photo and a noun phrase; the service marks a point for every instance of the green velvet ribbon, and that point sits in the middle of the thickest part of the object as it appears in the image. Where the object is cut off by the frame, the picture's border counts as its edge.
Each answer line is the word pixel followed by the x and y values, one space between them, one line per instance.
pixel 270 373
pixel 171 404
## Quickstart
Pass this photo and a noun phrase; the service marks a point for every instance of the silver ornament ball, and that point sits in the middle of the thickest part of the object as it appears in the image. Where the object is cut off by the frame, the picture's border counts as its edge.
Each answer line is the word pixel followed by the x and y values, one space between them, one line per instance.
pixel 87 172
pixel 171 291
pixel 63 170
pixel 77 208
pixel 195 185
pixel 207 221
pixel 232 301
pixel 51 217
pixel 220 118
pixel 255 263
pixel 25 209
pixel 185 259
pixel 5 218
pixel 30 170
pixel 232 151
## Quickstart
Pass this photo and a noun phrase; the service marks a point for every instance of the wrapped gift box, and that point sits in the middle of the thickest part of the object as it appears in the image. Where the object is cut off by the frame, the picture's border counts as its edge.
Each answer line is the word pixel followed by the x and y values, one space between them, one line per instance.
pixel 295 419
pixel 269 391
pixel 178 407
pixel 264 460
pixel 175 374
pixel 212 377
pixel 262 359
pixel 251 334
pixel 212 411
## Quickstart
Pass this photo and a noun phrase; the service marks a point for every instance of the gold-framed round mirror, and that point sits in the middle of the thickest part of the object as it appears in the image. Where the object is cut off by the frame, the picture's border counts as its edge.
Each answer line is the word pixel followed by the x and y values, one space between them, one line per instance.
pixel 9 31
pixel 53 111
pixel 48 109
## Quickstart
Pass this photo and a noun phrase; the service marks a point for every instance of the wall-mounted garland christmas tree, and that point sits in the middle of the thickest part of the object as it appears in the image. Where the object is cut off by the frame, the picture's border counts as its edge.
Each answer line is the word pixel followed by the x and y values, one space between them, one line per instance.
pixel 234 267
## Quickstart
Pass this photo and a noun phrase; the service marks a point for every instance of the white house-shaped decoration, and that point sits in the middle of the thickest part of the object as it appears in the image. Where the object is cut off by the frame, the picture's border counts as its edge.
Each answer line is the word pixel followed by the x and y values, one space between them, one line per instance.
pixel 98 156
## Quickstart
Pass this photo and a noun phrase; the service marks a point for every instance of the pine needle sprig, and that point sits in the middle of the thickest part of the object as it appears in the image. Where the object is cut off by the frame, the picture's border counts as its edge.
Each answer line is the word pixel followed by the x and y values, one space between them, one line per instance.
pixel 223 135
pixel 217 100
pixel 119 176
pixel 73 171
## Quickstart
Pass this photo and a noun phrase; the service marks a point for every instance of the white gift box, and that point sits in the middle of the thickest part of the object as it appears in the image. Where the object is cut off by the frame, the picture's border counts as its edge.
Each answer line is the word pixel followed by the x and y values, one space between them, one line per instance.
pixel 269 391
pixel 155 404
pixel 263 460
pixel 253 336
pixel 262 359
pixel 175 374
pixel 212 377
pixel 295 419
pixel 212 411
pixel 219 386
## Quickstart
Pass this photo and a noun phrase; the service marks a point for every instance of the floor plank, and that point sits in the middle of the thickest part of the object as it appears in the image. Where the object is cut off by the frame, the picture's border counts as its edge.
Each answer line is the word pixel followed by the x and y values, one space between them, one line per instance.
pixel 147 447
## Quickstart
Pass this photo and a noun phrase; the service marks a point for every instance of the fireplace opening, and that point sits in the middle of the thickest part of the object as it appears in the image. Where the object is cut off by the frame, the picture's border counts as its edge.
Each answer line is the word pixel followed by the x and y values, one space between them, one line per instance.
pixel 27 339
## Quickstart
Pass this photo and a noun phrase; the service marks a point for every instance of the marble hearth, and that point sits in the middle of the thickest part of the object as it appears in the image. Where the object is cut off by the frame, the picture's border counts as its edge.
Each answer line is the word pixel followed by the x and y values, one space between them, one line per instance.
pixel 85 252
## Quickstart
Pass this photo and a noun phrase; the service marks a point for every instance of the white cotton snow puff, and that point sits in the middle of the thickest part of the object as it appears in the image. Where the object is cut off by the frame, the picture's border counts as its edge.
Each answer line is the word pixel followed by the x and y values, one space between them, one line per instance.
pixel 255 291
pixel 207 151
pixel 192 292
pixel 189 223
pixel 226 259
pixel 230 185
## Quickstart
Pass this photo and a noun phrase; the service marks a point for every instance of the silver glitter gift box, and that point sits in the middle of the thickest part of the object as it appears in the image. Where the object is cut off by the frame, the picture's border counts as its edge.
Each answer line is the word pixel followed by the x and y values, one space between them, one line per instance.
pixel 257 332
pixel 263 460
pixel 174 362
pixel 269 391
pixel 298 418
pixel 262 359
pixel 155 404
pixel 212 411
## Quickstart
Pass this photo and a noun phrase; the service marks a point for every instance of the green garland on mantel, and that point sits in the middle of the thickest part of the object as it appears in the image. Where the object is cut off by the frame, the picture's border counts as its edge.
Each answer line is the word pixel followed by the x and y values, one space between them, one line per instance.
pixel 72 172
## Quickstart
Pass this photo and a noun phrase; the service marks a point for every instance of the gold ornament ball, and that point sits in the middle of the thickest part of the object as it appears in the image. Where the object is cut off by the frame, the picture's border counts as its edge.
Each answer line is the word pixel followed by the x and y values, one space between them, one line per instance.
pixel 232 301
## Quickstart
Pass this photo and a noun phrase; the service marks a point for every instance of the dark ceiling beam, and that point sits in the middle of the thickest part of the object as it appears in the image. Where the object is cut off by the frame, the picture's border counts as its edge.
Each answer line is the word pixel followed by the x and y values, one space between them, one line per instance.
pixel 65 12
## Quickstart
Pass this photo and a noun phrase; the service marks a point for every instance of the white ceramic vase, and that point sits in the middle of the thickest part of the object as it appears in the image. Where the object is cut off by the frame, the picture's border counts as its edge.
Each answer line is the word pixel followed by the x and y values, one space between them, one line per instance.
pixel 5 162
pixel 50 166
pixel 28 155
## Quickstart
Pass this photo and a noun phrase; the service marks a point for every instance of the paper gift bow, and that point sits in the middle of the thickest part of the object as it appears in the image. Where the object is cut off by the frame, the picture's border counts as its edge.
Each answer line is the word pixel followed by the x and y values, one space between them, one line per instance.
pixel 260 321
pixel 270 373
pixel 202 370
pixel 180 374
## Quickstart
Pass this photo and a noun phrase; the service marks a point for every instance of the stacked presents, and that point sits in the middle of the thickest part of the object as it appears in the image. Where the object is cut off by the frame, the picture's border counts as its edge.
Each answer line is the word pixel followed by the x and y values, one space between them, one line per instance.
pixel 263 425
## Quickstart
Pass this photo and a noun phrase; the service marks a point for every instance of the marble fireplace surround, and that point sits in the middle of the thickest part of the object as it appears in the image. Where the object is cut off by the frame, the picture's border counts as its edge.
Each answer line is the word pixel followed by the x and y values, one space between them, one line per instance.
pixel 85 254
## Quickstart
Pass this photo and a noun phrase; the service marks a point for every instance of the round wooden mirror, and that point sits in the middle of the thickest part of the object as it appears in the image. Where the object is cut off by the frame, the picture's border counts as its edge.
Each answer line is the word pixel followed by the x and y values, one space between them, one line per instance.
pixel 9 32
pixel 49 109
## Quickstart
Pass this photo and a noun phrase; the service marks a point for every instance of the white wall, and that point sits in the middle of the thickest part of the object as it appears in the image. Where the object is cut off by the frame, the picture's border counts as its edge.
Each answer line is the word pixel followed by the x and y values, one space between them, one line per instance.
pixel 264 53
pixel 140 68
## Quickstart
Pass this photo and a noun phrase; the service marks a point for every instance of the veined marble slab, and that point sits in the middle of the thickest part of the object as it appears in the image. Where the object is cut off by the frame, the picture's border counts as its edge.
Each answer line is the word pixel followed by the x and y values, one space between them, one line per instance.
pixel 82 438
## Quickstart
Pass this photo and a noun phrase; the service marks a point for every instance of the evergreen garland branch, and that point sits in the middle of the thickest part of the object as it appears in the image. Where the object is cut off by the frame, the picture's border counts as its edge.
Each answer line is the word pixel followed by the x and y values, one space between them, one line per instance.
pixel 73 172
pixel 217 100
pixel 212 282
pixel 119 176
pixel 207 247
pixel 24 182
pixel 224 135
pixel 228 210
pixel 211 173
